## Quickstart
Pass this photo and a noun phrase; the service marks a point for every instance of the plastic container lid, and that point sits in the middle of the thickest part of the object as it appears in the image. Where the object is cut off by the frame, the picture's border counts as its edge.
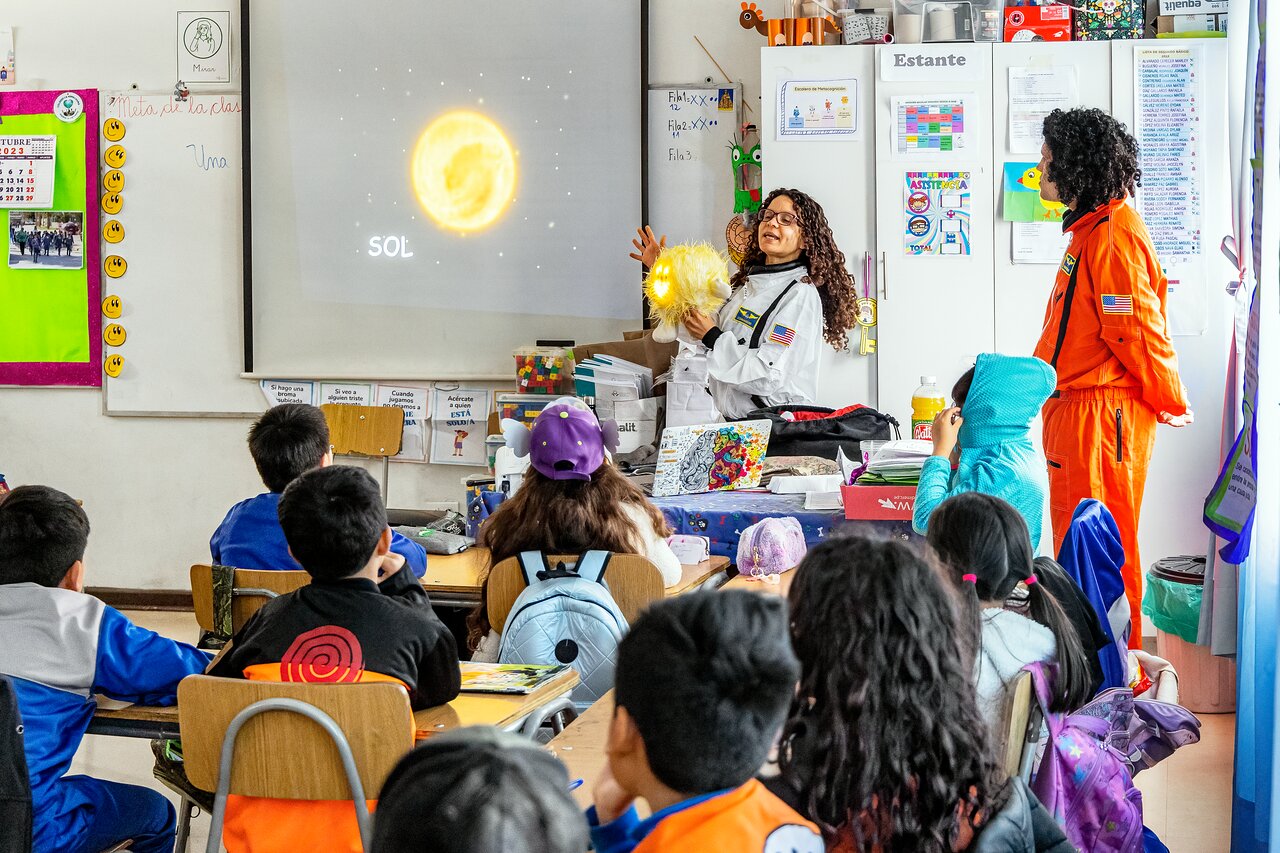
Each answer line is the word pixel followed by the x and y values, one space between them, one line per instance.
pixel 928 380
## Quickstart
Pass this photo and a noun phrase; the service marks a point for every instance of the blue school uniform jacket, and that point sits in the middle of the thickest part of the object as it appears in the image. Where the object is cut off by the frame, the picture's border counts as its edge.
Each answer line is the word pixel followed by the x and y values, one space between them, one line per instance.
pixel 250 538
pixel 997 456
pixel 59 648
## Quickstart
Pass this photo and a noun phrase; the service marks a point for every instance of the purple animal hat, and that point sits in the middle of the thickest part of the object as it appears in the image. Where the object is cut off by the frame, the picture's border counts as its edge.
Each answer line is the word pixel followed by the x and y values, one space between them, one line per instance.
pixel 567 441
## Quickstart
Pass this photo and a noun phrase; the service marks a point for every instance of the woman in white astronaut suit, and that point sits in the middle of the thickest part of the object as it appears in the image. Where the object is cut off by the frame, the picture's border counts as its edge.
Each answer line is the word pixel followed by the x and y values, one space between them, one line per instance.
pixel 791 294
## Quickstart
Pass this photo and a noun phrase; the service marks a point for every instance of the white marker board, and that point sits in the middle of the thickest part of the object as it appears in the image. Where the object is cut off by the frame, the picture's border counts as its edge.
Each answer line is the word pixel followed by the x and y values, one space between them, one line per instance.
pixel 690 161
pixel 182 290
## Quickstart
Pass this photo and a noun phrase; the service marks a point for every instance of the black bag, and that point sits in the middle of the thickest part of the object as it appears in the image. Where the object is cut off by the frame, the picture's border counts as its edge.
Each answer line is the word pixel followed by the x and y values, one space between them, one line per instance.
pixel 15 784
pixel 825 436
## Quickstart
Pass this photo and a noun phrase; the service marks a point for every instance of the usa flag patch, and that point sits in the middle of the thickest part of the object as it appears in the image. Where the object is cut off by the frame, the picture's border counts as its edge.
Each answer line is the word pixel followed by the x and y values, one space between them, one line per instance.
pixel 1113 304
pixel 784 335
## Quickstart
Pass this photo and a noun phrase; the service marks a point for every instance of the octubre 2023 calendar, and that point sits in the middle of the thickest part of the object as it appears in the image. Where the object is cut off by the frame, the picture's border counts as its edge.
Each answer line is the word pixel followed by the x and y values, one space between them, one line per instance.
pixel 26 171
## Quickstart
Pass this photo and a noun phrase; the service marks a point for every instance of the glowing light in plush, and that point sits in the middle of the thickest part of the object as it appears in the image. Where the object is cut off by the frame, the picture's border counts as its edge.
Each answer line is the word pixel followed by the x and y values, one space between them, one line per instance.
pixel 684 278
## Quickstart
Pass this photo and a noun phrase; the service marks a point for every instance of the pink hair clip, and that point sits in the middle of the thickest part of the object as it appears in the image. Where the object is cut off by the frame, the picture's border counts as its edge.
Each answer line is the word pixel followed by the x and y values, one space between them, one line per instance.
pixel 1030 580
pixel 969 578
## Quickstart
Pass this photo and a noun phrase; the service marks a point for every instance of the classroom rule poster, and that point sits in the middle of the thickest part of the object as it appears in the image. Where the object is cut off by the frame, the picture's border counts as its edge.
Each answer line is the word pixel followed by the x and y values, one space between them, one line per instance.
pixel 459 420
pixel 413 400
pixel 936 214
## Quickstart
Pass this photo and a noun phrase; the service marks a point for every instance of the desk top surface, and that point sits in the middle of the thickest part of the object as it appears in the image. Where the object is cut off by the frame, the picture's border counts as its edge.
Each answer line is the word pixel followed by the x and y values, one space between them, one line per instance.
pixel 460 573
pixel 581 746
pixel 780 588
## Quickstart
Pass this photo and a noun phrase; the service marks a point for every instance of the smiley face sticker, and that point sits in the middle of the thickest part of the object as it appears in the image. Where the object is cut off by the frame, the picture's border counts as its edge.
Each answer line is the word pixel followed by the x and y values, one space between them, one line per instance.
pixel 113 181
pixel 113 130
pixel 114 266
pixel 113 365
pixel 111 203
pixel 112 307
pixel 113 335
pixel 114 156
pixel 112 231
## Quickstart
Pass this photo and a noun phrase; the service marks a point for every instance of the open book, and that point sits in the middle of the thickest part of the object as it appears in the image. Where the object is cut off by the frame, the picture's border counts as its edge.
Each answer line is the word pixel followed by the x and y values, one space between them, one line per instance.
pixel 507 677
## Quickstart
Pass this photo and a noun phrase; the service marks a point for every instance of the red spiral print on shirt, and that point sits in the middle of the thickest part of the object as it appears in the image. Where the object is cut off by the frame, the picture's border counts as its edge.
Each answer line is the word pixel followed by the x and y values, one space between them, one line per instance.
pixel 328 654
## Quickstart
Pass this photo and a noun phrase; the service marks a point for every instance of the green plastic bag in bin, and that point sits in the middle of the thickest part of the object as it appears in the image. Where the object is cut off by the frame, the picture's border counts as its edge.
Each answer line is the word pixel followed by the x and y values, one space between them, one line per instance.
pixel 1175 588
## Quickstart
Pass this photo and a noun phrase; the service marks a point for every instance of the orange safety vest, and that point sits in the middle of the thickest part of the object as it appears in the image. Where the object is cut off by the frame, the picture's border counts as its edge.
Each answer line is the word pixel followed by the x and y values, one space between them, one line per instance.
pixel 749 819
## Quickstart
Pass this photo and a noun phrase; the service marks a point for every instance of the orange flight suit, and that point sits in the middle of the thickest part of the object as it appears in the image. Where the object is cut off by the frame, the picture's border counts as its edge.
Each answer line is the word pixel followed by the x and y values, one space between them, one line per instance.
pixel 1106 333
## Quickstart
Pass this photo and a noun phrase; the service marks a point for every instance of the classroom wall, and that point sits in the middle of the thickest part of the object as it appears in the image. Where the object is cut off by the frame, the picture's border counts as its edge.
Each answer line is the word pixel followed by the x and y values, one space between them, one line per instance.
pixel 155 488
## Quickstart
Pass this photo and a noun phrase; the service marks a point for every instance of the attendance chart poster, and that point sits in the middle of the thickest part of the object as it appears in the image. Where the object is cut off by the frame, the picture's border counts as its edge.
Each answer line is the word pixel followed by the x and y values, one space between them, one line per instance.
pixel 936 213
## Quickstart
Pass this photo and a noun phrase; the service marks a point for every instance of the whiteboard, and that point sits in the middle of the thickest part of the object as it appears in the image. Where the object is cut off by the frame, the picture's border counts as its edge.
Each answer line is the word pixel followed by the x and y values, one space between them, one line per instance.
pixel 182 288
pixel 690 162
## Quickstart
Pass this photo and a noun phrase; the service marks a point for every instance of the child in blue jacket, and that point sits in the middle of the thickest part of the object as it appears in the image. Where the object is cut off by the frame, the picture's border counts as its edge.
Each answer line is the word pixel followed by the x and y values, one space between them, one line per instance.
pixel 59 647
pixel 285 443
pixel 994 404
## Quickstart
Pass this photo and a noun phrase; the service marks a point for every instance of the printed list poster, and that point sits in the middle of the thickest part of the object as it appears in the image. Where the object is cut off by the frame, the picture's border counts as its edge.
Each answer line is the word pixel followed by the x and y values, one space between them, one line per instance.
pixel 459 419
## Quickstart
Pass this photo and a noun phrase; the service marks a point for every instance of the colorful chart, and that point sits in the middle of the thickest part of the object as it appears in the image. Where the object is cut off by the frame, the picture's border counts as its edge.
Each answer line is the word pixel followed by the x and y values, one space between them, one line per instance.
pixel 1022 202
pixel 936 126
pixel 936 211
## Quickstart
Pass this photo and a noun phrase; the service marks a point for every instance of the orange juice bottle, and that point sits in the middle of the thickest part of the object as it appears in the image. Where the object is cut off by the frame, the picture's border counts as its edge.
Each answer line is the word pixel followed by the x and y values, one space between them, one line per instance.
pixel 926 403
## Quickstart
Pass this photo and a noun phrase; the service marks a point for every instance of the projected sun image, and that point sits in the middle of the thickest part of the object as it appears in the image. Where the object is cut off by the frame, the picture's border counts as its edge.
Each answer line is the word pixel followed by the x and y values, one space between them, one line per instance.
pixel 464 171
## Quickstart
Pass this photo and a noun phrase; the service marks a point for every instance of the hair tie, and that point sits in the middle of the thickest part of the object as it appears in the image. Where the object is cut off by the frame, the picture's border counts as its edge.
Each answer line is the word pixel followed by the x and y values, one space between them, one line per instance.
pixel 969 578
pixel 1030 580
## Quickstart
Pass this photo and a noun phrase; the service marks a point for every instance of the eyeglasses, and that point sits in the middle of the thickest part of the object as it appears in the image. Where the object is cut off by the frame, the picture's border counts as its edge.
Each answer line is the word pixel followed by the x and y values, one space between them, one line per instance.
pixel 784 217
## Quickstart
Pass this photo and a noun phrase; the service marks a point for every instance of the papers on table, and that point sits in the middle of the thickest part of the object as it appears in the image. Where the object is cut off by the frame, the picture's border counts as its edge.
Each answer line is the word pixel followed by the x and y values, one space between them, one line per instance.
pixel 897 463
pixel 609 380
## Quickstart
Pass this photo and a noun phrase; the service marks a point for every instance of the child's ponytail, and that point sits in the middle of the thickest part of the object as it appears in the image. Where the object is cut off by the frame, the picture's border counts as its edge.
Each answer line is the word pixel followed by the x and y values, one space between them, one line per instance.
pixel 1073 686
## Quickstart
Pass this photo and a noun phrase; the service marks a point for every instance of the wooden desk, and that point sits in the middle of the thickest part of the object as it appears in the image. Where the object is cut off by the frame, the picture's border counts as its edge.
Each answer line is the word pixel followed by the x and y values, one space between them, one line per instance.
pixel 581 747
pixel 780 588
pixel 698 574
pixel 469 709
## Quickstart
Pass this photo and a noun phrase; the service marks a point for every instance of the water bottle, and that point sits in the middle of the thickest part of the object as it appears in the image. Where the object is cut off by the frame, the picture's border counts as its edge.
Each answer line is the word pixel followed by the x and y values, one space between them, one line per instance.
pixel 926 403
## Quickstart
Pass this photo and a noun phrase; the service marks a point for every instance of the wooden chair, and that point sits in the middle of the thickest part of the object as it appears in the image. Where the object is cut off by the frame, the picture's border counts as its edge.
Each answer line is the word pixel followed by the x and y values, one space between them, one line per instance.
pixel 292 741
pixel 633 580
pixel 1020 735
pixel 251 589
pixel 372 431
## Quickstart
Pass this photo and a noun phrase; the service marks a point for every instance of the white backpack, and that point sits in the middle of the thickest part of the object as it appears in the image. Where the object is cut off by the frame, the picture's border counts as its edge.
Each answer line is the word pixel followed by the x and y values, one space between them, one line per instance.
pixel 566 615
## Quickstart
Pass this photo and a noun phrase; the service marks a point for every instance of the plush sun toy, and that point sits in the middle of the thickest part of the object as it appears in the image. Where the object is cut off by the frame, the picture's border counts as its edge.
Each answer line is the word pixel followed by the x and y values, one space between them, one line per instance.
pixel 687 277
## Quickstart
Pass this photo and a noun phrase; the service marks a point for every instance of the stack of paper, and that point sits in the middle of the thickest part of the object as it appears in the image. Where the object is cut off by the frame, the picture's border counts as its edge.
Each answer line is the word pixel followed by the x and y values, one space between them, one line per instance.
pixel 609 380
pixel 897 463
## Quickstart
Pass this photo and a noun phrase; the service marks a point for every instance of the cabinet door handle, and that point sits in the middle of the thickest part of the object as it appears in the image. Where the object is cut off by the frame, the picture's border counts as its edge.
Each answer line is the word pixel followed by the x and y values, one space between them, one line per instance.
pixel 884 278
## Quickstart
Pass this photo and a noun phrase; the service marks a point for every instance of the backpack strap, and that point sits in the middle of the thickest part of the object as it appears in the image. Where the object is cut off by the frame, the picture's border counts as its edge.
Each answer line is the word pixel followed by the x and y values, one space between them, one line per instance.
pixel 1041 680
pixel 531 563
pixel 592 564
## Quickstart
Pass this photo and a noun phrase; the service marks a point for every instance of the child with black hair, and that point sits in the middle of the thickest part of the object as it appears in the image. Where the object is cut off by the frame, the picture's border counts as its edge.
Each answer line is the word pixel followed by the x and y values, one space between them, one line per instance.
pixel 360 619
pixel 983 544
pixel 286 442
pixel 478 790
pixel 884 746
pixel 59 646
pixel 702 685
pixel 986 434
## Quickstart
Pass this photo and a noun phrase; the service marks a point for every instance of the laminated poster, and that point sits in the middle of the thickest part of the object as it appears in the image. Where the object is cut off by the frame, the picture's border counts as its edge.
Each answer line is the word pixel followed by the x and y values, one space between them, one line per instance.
pixel 817 109
pixel 459 420
pixel 280 391
pixel 936 214
pixel 414 402
pixel 940 125
pixel 1022 202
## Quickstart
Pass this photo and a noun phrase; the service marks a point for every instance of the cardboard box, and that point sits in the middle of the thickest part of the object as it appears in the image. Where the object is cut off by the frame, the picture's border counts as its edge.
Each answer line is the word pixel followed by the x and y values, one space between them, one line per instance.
pixel 1037 23
pixel 1193 7
pixel 879 503
pixel 1190 24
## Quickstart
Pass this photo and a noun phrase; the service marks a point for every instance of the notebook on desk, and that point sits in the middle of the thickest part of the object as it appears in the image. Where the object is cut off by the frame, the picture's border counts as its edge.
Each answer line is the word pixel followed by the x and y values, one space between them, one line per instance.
pixel 711 457
pixel 507 677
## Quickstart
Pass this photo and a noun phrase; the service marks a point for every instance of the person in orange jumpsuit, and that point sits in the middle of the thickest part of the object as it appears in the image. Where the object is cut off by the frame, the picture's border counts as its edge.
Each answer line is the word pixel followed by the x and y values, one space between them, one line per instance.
pixel 1106 333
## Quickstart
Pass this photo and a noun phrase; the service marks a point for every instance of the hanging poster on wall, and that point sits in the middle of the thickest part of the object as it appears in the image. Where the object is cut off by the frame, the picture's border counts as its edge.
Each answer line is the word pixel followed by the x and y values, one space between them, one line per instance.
pixel 939 125
pixel 413 400
pixel 935 212
pixel 458 426
pixel 817 109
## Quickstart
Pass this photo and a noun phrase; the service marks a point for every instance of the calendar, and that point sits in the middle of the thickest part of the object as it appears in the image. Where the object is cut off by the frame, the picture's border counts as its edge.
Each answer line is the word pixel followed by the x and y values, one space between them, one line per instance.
pixel 26 171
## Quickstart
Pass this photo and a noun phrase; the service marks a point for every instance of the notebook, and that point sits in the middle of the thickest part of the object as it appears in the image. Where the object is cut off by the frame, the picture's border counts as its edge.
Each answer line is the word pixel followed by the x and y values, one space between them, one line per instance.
pixel 710 458
pixel 507 677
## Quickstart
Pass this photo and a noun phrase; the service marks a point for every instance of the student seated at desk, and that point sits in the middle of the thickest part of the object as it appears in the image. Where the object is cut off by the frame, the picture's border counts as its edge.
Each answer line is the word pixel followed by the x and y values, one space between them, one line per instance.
pixel 478 790
pixel 983 545
pixel 885 747
pixel 572 500
pixel 703 682
pixel 362 618
pixel 287 441
pixel 59 647
pixel 987 434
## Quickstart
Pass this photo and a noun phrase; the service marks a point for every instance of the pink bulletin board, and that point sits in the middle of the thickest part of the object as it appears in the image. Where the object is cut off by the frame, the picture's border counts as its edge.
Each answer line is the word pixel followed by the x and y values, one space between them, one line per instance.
pixel 50 319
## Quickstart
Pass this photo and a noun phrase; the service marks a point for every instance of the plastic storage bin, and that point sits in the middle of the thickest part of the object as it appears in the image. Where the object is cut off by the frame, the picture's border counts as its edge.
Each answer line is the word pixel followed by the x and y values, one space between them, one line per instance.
pixel 523 407
pixel 543 370
pixel 491 445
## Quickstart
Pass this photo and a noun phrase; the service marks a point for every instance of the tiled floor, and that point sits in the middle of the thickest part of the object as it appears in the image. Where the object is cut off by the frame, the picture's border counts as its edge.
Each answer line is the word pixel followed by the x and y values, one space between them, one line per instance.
pixel 1186 798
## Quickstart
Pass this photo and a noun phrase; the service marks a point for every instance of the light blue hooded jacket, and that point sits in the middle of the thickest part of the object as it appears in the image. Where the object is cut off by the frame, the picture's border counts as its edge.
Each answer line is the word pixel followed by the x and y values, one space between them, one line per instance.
pixel 997 456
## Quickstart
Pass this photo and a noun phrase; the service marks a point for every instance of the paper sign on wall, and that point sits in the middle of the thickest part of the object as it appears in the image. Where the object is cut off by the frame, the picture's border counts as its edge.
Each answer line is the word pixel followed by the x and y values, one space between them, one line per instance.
pixel 1033 94
pixel 27 171
pixel 8 75
pixel 459 419
pixel 1022 202
pixel 1038 243
pixel 936 213
pixel 278 392
pixel 413 401
pixel 203 53
pixel 940 125
pixel 346 394
pixel 817 109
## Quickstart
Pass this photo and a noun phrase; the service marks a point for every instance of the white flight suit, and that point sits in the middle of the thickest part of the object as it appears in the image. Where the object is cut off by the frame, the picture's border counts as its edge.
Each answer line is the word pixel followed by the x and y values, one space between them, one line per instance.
pixel 768 343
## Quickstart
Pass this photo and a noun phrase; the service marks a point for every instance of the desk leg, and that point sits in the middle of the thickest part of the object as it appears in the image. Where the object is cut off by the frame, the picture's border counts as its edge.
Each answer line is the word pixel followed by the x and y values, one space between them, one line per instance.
pixel 186 809
pixel 556 708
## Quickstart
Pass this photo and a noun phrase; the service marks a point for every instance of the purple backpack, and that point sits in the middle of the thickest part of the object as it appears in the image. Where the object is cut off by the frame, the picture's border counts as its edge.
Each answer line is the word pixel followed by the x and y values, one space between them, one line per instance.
pixel 1083 781
pixel 770 547
pixel 1144 731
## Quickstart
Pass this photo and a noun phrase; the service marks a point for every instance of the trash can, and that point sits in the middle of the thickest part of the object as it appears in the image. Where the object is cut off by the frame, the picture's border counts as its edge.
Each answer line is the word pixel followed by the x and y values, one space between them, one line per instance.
pixel 1174 589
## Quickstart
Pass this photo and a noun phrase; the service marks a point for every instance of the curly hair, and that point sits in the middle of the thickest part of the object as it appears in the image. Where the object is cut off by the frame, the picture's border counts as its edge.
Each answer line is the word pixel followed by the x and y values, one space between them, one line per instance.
pixel 885 743
pixel 562 517
pixel 1095 159
pixel 824 260
pixel 983 536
